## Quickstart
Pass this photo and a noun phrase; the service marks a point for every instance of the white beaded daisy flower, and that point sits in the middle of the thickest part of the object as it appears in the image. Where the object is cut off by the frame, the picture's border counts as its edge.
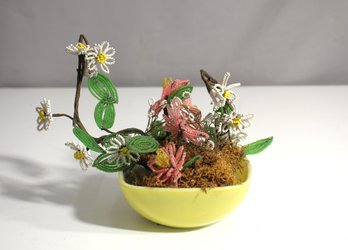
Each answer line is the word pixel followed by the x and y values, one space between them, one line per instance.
pixel 240 122
pixel 100 54
pixel 230 128
pixel 81 154
pixel 222 92
pixel 78 49
pixel 118 152
pixel 45 115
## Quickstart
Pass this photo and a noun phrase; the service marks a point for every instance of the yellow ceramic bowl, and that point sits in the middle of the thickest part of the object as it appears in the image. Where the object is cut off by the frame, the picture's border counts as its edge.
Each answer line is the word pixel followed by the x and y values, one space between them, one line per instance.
pixel 185 207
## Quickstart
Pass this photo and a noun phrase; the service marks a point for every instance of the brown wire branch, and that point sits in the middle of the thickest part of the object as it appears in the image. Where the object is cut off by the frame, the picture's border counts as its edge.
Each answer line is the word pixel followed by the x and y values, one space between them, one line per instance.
pixel 60 115
pixel 80 72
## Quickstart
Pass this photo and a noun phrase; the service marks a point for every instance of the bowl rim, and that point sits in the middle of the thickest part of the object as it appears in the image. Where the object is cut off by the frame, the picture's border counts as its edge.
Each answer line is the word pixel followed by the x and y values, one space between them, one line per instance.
pixel 246 182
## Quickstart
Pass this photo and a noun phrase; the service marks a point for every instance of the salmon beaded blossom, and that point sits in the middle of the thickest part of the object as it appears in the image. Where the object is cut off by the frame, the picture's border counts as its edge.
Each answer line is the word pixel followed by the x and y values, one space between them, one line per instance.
pixel 167 163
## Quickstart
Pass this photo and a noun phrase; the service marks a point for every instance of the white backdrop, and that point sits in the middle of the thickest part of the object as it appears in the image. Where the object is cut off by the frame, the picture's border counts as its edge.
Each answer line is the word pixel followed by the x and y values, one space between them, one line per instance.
pixel 259 42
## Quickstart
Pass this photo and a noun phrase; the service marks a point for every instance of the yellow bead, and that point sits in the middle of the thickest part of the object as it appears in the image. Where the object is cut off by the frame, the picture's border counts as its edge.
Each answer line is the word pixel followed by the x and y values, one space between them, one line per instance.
pixel 162 159
pixel 236 121
pixel 166 81
pixel 124 151
pixel 101 57
pixel 42 115
pixel 79 155
pixel 81 46
pixel 227 94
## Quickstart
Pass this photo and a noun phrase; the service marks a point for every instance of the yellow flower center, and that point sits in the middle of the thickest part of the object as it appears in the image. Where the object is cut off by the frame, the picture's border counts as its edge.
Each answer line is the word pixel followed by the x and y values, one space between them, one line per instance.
pixel 81 46
pixel 124 151
pixel 42 115
pixel 227 94
pixel 101 57
pixel 162 159
pixel 166 81
pixel 79 155
pixel 236 121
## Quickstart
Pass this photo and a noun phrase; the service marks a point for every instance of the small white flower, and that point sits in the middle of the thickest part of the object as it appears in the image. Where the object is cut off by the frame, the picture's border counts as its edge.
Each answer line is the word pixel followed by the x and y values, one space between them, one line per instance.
pixel 101 54
pixel 81 154
pixel 118 152
pixel 78 49
pixel 240 122
pixel 230 127
pixel 45 116
pixel 222 92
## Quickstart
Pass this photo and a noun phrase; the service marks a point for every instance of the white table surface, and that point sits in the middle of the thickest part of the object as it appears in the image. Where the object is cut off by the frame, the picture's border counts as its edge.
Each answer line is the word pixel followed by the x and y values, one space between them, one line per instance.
pixel 298 197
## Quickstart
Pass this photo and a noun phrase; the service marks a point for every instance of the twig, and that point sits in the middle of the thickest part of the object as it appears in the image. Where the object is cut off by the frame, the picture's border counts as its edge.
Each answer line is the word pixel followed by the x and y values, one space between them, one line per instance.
pixel 80 72
pixel 60 115
pixel 208 80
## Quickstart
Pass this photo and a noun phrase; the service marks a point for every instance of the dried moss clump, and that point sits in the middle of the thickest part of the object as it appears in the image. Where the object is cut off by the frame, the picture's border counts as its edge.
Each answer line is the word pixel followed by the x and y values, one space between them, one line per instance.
pixel 224 166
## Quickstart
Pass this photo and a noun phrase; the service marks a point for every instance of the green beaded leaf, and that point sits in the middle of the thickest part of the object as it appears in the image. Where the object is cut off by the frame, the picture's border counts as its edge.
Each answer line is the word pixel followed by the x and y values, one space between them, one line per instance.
pixel 142 144
pixel 86 139
pixel 104 115
pixel 157 130
pixel 191 161
pixel 258 146
pixel 105 166
pixel 102 88
pixel 181 93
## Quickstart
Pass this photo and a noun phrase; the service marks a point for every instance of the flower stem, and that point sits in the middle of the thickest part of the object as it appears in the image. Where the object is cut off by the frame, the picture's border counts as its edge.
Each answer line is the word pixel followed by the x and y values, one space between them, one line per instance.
pixel 60 115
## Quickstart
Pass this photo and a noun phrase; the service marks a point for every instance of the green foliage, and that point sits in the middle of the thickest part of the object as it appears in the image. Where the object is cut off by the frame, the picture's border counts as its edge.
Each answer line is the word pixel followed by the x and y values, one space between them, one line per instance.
pixel 192 161
pixel 258 146
pixel 86 139
pixel 102 88
pixel 142 144
pixel 211 132
pixel 181 93
pixel 157 130
pixel 102 164
pixel 104 115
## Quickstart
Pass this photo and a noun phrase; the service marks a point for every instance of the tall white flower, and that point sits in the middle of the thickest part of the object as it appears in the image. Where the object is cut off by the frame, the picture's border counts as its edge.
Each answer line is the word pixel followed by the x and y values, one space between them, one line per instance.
pixel 81 154
pixel 118 153
pixel 78 49
pixel 222 92
pixel 102 55
pixel 45 115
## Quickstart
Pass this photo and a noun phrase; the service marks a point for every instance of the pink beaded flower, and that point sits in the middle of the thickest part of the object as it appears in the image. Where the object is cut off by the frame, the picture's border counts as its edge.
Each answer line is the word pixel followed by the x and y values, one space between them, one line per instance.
pixel 172 86
pixel 168 163
pixel 180 122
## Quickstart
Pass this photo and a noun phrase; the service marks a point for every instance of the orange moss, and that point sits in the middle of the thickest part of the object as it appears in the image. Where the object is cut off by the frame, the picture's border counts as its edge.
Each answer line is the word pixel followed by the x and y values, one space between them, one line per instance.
pixel 224 166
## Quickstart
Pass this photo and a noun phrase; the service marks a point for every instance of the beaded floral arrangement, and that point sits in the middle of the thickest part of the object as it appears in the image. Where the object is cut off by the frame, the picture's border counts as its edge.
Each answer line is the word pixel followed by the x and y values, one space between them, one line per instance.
pixel 178 148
